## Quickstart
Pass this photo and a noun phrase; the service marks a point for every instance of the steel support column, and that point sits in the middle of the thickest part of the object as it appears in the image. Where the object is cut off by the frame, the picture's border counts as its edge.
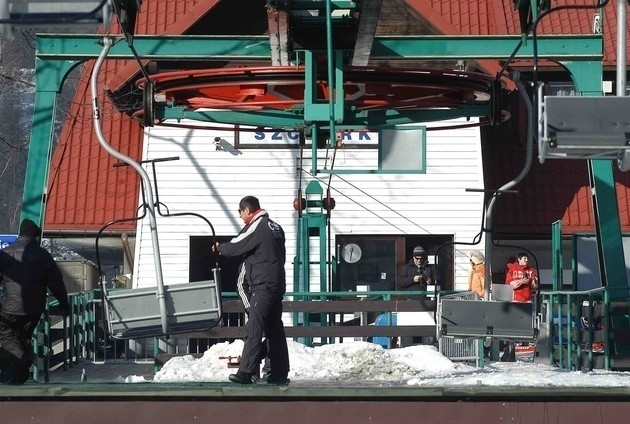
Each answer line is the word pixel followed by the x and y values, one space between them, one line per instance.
pixel 49 80
pixel 604 195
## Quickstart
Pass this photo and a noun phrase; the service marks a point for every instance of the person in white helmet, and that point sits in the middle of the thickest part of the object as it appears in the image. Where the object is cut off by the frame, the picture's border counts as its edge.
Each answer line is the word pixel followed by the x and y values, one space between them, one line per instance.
pixel 476 279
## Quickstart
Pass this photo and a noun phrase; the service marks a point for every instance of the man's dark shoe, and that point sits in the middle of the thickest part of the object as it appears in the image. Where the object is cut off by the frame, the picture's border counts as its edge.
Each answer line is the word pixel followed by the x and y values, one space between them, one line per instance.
pixel 278 381
pixel 23 370
pixel 241 378
pixel 256 375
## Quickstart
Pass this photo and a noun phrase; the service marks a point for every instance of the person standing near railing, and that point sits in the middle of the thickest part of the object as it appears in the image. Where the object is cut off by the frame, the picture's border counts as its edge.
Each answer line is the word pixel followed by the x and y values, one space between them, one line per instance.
pixel 476 279
pixel 522 278
pixel 27 271
pixel 418 273
pixel 261 244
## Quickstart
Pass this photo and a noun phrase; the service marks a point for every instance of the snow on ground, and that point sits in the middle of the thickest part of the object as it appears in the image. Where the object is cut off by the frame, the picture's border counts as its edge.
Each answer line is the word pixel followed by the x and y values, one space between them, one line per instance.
pixel 361 361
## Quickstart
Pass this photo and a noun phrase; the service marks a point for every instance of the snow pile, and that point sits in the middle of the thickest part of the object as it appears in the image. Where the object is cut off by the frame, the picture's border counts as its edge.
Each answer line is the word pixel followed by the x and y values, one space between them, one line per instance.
pixel 347 362
pixel 361 362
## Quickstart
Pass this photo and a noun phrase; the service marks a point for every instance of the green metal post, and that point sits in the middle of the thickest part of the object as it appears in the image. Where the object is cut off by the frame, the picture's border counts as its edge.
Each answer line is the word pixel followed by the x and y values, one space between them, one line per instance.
pixel 560 332
pixel 608 227
pixel 39 155
pixel 480 356
pixel 49 77
pixel 314 142
pixel 551 328
pixel 331 75
pixel 588 81
pixel 570 347
pixel 312 223
pixel 606 215
pixel 556 255
pixel 607 333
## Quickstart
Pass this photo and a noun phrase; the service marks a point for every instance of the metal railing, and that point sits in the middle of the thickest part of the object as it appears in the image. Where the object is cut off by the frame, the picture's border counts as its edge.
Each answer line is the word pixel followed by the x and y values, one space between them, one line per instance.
pixel 575 318
pixel 59 343
pixel 460 348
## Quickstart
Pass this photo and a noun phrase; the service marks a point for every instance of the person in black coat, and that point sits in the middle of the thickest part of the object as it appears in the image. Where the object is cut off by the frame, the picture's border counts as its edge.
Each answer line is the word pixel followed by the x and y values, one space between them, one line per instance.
pixel 27 272
pixel 261 244
pixel 418 273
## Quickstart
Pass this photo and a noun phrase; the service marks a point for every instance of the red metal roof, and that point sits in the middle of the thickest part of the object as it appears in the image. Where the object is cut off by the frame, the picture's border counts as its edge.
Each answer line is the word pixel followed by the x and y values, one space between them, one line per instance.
pixel 85 191
pixel 555 190
pixel 167 18
pixel 498 17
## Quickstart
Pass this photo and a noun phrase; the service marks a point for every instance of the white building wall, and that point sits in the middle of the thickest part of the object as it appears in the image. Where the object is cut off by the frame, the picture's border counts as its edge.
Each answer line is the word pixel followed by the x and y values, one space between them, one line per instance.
pixel 211 182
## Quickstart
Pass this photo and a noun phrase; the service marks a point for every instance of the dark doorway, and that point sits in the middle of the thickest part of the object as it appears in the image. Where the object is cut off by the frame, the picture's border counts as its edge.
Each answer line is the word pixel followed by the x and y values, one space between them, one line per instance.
pixel 202 261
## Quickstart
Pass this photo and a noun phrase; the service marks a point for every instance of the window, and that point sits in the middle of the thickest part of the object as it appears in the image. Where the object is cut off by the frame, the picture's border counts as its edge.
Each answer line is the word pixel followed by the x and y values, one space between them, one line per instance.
pixel 375 261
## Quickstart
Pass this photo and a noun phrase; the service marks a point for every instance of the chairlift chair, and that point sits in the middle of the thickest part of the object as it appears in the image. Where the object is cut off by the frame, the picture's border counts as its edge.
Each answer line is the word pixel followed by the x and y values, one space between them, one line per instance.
pixel 165 309
pixel 584 127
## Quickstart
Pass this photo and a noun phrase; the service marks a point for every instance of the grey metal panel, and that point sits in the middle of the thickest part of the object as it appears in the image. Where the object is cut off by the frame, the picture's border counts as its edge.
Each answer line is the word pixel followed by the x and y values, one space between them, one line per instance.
pixel 503 292
pixel 510 320
pixel 581 127
pixel 190 307
pixel 587 272
pixel 402 150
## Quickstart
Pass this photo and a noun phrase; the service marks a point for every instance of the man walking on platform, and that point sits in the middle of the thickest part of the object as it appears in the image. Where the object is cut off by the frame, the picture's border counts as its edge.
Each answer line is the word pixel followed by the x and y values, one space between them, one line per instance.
pixel 261 243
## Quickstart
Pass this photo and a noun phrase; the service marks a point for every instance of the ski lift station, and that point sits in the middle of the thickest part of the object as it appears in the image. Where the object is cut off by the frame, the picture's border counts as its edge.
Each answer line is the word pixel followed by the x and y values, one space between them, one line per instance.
pixel 365 128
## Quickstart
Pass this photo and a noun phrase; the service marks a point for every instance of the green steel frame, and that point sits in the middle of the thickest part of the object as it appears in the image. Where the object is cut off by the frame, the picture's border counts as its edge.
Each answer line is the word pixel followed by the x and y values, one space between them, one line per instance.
pixel 581 55
pixel 57 54
pixel 556 255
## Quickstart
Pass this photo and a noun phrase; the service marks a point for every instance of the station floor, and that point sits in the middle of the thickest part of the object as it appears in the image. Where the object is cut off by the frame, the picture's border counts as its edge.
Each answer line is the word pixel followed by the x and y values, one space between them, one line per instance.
pixel 88 379
pixel 101 397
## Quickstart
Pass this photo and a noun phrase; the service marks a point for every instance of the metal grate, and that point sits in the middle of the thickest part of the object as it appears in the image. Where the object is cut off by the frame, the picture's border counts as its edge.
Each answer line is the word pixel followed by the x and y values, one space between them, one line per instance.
pixel 459 348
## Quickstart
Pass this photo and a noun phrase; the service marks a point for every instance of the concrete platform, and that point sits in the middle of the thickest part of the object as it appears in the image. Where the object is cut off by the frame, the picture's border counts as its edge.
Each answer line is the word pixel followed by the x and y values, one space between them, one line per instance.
pixel 100 399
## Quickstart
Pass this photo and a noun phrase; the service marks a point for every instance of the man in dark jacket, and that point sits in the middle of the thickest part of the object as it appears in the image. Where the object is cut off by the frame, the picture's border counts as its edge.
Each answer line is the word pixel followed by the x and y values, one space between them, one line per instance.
pixel 27 271
pixel 261 244
pixel 417 273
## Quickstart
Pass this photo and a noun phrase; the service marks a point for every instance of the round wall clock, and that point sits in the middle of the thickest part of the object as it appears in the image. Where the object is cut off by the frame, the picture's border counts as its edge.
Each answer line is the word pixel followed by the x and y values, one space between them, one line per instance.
pixel 351 253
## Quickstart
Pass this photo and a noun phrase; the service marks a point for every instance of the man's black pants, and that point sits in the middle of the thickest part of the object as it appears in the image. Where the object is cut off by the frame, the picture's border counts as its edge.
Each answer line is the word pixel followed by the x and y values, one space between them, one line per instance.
pixel 15 347
pixel 265 319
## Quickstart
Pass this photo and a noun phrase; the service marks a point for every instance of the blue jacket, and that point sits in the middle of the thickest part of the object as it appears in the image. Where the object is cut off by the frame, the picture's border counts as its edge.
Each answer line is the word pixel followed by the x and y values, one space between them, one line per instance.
pixel 27 270
pixel 261 243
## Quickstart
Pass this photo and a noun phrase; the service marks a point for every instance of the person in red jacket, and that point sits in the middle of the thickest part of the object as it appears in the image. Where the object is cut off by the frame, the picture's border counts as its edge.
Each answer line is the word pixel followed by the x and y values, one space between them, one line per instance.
pixel 522 278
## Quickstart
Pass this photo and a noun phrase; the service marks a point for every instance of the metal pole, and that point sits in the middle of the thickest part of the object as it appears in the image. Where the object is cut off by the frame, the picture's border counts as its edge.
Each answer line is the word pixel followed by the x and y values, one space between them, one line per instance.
pixel 107 43
pixel 621 47
pixel 331 78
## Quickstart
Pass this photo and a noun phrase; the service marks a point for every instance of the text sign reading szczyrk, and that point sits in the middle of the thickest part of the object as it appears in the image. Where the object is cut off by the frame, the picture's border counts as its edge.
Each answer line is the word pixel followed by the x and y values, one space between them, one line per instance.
pixel 292 138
